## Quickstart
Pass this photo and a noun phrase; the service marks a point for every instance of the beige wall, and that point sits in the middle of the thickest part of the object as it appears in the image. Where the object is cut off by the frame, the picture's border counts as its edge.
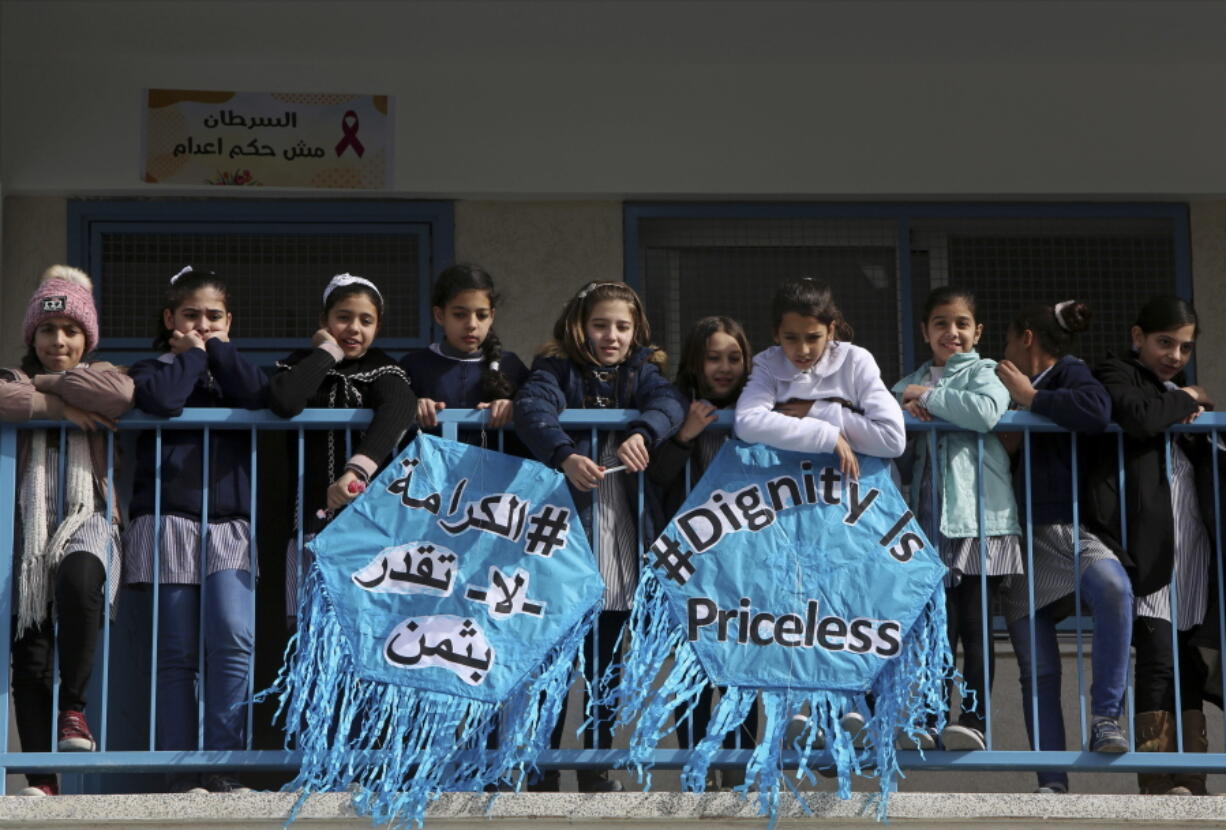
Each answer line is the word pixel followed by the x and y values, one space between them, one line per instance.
pixel 35 236
pixel 1208 230
pixel 539 254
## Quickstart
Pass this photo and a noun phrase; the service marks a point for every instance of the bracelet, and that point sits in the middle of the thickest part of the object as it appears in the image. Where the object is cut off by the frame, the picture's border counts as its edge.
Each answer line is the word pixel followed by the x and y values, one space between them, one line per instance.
pixel 359 472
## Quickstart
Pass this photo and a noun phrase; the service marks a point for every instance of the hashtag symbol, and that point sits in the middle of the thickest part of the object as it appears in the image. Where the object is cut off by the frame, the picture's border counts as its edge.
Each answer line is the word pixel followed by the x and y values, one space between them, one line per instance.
pixel 674 559
pixel 547 530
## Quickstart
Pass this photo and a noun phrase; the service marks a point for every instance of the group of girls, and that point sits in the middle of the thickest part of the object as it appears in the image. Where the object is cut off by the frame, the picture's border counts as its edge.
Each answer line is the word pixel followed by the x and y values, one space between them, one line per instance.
pixel 813 391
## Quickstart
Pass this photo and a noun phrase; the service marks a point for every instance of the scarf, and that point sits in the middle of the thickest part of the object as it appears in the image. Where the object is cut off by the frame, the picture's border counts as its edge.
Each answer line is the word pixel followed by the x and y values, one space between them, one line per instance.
pixel 40 556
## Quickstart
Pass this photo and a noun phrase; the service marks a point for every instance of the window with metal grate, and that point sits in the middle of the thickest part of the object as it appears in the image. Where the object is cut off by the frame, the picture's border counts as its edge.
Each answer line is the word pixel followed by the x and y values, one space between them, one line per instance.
pixel 275 256
pixel 692 260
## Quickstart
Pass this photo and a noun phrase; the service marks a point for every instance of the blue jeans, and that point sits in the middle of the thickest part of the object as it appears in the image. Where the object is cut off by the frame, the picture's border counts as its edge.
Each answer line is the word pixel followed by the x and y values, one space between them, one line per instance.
pixel 1106 589
pixel 229 640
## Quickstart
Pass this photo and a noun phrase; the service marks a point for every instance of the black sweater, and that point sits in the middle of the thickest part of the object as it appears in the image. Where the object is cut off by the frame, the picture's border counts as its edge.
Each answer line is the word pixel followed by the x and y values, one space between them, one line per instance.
pixel 313 378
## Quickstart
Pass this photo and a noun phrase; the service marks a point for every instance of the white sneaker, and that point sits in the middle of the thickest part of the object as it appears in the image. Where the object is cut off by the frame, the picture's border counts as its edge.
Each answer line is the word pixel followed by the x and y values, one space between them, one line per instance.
pixel 796 729
pixel 853 724
pixel 955 737
pixel 925 739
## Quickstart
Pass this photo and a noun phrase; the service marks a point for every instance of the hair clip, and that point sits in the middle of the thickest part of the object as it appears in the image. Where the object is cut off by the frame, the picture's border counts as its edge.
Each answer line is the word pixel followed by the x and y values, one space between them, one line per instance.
pixel 175 278
pixel 342 280
pixel 1058 312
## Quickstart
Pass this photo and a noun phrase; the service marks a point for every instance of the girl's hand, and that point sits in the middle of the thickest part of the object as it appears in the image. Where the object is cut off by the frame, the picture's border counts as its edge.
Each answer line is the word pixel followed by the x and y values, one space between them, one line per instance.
pixel 1199 395
pixel 1200 410
pixel 88 421
pixel 323 336
pixel 699 417
pixel 223 336
pixel 426 409
pixel 794 408
pixel 339 493
pixel 633 453
pixel 500 411
pixel 917 409
pixel 582 472
pixel 913 391
pixel 849 465
pixel 181 341
pixel 1016 382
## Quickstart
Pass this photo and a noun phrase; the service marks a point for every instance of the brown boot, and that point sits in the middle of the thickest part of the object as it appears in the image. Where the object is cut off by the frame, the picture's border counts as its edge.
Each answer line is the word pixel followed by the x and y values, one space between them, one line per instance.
pixel 1194 740
pixel 1155 732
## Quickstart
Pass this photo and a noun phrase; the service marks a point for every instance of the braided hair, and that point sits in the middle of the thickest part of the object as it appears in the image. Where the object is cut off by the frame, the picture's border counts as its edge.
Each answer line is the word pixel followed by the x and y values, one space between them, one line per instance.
pixel 451 283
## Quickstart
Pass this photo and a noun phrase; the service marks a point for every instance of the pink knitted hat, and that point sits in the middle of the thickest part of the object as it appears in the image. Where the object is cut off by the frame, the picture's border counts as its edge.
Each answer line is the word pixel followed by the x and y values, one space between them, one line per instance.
pixel 63 291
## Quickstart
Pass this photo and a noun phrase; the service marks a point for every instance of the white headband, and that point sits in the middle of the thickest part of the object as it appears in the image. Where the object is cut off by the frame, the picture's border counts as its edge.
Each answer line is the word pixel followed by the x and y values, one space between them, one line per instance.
pixel 1058 312
pixel 341 280
pixel 175 278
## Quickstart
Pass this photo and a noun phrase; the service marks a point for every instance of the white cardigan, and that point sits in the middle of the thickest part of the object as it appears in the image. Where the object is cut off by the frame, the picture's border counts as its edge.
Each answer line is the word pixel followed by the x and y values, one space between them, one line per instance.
pixel 845 371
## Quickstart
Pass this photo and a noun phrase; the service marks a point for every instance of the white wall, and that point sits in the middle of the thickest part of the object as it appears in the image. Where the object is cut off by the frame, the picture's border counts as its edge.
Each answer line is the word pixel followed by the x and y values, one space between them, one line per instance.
pixel 860 99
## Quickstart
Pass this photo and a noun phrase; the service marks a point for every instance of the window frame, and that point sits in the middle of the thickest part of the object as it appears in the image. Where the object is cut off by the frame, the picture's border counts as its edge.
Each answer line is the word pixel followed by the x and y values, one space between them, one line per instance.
pixel 903 213
pixel 432 222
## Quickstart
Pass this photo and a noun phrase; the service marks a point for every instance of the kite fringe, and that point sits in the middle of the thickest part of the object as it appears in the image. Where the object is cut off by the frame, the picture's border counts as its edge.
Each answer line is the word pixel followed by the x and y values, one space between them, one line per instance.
pixel 399 748
pixel 908 697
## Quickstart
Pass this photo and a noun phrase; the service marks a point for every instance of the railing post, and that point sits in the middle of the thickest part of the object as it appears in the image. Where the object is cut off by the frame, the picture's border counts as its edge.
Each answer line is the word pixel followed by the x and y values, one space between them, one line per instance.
pixel 8 485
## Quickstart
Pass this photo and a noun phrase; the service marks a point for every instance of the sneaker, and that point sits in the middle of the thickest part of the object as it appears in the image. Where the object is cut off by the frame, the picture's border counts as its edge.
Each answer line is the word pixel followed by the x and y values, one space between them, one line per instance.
pixel 40 790
pixel 853 724
pixel 795 731
pixel 955 737
pixel 187 785
pixel 1107 736
pixel 74 732
pixel 1051 789
pixel 219 782
pixel 924 739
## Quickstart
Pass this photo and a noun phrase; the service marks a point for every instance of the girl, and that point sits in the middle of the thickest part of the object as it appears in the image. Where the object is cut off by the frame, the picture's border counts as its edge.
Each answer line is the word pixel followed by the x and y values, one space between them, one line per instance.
pixel 61 564
pixel 1043 377
pixel 961 387
pixel 600 358
pixel 1170 519
pixel 468 368
pixel 816 392
pixel 711 376
pixel 343 370
pixel 199 366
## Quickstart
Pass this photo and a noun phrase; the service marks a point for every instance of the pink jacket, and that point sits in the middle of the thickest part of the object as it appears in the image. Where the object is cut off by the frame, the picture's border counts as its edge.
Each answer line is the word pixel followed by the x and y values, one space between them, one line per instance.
pixel 100 387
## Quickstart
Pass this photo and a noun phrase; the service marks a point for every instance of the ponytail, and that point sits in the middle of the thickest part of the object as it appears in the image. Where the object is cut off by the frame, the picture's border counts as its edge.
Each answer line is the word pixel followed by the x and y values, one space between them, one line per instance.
pixel 495 385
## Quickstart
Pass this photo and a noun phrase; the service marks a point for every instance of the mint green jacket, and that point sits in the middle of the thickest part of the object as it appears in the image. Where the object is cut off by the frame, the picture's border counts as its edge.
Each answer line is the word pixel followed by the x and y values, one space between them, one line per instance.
pixel 972 397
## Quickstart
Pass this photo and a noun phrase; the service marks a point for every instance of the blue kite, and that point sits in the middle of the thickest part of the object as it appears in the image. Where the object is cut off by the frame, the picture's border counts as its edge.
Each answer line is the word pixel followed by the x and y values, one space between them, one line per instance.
pixel 781 580
pixel 443 611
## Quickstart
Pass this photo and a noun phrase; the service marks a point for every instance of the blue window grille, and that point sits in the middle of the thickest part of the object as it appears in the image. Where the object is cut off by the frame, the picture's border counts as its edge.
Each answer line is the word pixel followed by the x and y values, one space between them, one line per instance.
pixel 123 687
pixel 275 255
pixel 694 259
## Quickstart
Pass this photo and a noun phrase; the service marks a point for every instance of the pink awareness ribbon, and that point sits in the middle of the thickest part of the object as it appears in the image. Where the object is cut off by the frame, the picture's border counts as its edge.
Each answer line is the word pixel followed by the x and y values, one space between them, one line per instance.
pixel 351 134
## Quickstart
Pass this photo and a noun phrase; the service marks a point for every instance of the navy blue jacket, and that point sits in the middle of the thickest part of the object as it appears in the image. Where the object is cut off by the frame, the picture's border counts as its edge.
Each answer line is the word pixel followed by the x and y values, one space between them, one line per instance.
pixel 1070 395
pixel 556 384
pixel 216 376
pixel 457 383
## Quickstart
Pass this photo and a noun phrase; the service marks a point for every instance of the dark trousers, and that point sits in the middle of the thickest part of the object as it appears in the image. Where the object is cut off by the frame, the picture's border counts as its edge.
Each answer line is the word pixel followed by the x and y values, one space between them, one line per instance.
pixel 598 653
pixel 743 737
pixel 1155 668
pixel 964 607
pixel 79 602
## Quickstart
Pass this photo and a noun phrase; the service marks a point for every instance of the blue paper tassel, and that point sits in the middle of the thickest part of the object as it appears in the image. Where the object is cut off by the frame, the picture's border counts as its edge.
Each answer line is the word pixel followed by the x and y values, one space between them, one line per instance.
pixel 400 747
pixel 909 696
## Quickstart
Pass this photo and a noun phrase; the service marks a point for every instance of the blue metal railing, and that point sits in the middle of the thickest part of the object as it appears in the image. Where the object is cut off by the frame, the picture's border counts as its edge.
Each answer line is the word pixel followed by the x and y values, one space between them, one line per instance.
pixel 108 760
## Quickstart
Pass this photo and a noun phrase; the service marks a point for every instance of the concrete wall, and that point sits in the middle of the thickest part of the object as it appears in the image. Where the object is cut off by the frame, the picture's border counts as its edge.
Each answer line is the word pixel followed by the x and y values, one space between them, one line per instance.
pixel 585 99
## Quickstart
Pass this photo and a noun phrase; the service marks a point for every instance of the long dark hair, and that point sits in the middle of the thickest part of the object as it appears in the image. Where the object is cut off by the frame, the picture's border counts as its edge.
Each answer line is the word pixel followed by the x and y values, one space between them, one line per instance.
pixel 570 328
pixel 1055 327
pixel 690 377
pixel 187 283
pixel 810 298
pixel 455 281
pixel 1165 312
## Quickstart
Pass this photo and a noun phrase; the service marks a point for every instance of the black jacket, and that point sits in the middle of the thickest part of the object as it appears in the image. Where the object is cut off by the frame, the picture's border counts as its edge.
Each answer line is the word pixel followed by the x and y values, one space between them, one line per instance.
pixel 1143 406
